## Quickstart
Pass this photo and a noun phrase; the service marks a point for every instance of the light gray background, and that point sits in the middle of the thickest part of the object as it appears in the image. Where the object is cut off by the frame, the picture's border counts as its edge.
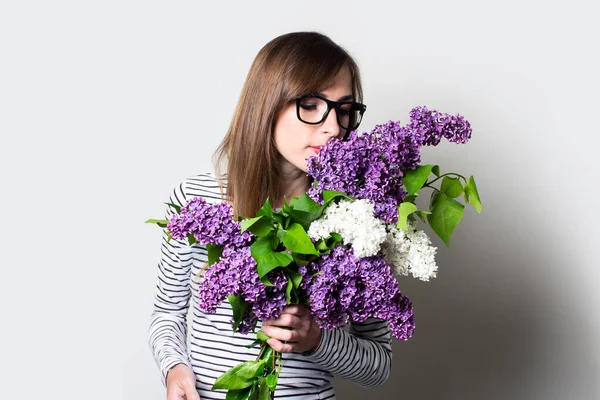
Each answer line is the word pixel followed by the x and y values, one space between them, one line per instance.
pixel 105 106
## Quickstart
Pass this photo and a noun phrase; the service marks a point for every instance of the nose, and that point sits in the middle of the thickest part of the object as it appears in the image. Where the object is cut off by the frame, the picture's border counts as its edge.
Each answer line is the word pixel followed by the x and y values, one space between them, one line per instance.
pixel 330 126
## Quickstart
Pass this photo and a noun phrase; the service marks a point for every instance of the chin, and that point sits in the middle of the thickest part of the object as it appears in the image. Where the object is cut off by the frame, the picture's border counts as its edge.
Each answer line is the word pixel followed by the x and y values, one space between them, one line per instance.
pixel 302 166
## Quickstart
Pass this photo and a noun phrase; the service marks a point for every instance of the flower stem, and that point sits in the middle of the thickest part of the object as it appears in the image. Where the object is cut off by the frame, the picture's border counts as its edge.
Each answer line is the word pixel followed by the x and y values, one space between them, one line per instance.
pixel 272 366
pixel 443 175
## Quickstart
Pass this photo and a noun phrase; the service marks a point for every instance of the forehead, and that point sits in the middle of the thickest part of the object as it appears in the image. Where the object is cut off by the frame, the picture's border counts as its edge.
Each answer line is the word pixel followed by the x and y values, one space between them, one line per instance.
pixel 341 83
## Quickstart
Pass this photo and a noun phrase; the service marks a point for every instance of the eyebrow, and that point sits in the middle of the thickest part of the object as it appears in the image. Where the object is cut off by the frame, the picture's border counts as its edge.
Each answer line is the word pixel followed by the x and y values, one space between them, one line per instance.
pixel 343 98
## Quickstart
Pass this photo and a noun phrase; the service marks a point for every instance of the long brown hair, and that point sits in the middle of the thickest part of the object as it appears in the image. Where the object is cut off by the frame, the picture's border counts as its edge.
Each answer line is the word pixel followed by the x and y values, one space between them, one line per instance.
pixel 289 66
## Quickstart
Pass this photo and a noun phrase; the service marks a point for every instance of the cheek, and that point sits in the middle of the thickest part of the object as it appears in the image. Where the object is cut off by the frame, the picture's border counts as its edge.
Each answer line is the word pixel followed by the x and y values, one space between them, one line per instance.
pixel 289 132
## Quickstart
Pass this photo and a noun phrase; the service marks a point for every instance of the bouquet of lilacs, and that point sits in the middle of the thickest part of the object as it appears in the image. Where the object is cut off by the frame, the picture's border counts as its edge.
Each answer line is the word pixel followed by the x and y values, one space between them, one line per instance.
pixel 336 248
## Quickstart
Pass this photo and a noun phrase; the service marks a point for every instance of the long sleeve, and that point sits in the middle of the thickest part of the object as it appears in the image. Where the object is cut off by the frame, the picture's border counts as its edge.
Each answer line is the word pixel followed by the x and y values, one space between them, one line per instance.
pixel 168 325
pixel 363 354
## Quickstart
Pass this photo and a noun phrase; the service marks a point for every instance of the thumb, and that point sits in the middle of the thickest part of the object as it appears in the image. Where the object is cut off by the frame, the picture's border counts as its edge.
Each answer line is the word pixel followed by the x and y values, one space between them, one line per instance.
pixel 190 392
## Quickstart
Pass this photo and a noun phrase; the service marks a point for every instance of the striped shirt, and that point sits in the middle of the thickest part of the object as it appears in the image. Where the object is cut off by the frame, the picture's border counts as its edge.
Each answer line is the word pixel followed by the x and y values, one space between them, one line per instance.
pixel 361 353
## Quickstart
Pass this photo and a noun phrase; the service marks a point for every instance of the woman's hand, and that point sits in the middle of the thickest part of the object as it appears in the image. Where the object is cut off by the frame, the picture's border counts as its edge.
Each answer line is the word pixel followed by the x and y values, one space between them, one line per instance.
pixel 181 383
pixel 294 331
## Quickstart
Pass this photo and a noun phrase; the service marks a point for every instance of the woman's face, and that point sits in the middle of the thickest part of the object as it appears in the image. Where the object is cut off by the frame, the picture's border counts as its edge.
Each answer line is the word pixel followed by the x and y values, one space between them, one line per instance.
pixel 296 140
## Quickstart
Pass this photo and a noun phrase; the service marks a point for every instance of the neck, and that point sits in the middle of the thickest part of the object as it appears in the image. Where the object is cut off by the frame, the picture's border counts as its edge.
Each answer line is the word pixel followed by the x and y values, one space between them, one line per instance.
pixel 294 183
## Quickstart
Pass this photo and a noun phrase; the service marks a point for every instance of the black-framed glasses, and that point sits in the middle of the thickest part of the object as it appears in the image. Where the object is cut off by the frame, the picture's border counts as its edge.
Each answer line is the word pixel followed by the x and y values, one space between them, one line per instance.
pixel 314 109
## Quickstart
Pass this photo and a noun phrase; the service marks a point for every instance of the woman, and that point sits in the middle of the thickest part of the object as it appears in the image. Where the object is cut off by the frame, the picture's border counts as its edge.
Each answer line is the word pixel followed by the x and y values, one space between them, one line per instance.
pixel 302 91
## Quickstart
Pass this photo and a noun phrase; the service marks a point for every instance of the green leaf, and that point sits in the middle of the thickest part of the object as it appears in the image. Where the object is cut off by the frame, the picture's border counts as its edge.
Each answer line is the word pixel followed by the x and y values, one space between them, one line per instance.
pixel 265 281
pixel 191 239
pixel 247 223
pixel 263 337
pixel 414 180
pixel 279 259
pixel 254 391
pixel 472 195
pixel 241 394
pixel 297 240
pixel 300 259
pixel 259 226
pixel 279 218
pixel 239 307
pixel 280 234
pixel 266 258
pixel 306 204
pixel 451 187
pixel 324 245
pixel 436 170
pixel 288 291
pixel 214 253
pixel 286 221
pixel 445 215
pixel 404 210
pixel 268 357
pixel 305 211
pixel 239 377
pixel 271 381
pixel 321 245
pixel 295 277
pixel 302 218
pixel 330 195
pixel 249 346
pixel 261 368
pixel 293 202
pixel 175 207
pixel 160 222
pixel 263 390
pixel 266 210
pixel 336 237
pixel 286 206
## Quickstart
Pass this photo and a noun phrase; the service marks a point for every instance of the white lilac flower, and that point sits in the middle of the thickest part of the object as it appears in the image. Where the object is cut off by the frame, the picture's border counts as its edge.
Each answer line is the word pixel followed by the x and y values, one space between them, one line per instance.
pixel 355 222
pixel 421 256
pixel 410 252
pixel 395 249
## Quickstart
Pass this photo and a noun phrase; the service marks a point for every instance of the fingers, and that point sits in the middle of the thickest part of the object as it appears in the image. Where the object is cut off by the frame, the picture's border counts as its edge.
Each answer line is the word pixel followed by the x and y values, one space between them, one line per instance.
pixel 190 392
pixel 184 390
pixel 295 309
pixel 288 320
pixel 291 332
pixel 181 383
pixel 175 393
pixel 281 347
pixel 281 334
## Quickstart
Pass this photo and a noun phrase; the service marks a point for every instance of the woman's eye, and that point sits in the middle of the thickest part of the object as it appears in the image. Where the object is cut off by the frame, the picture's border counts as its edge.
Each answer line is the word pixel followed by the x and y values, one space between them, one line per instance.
pixel 309 107
pixel 344 110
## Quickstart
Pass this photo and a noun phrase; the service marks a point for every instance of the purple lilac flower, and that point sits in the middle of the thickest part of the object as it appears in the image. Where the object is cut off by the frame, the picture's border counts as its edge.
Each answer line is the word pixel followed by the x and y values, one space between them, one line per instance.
pixel 247 323
pixel 367 167
pixel 235 274
pixel 370 166
pixel 209 223
pixel 223 279
pixel 347 288
pixel 432 125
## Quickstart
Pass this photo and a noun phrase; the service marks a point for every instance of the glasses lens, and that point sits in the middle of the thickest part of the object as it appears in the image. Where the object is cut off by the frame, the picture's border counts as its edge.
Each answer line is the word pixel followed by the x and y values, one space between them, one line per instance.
pixel 350 115
pixel 312 109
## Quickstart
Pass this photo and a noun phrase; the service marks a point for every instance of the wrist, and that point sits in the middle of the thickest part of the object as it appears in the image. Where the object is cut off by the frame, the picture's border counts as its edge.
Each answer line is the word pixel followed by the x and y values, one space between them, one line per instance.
pixel 319 338
pixel 175 368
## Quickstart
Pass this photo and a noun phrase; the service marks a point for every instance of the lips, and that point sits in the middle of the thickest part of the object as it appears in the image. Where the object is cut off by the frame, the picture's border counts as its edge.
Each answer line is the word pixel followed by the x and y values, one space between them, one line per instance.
pixel 315 149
